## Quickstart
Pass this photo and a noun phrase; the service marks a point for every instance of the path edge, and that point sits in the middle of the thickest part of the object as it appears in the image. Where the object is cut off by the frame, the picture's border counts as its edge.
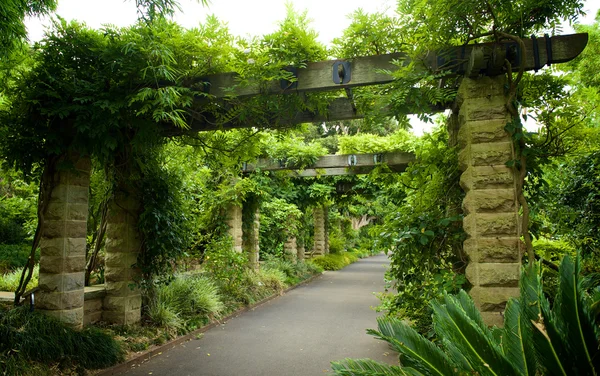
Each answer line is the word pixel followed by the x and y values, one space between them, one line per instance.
pixel 148 354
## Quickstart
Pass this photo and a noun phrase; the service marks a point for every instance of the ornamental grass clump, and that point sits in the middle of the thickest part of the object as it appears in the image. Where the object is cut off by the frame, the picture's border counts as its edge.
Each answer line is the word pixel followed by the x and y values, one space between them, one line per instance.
pixel 335 261
pixel 33 337
pixel 10 281
pixel 184 298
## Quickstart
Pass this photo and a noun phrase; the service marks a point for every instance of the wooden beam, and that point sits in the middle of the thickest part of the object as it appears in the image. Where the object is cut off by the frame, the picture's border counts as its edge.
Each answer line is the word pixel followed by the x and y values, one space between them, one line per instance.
pixel 346 164
pixel 338 110
pixel 318 76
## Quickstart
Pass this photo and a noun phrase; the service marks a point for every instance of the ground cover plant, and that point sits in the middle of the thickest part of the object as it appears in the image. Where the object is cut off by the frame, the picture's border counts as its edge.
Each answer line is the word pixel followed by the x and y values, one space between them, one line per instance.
pixel 32 343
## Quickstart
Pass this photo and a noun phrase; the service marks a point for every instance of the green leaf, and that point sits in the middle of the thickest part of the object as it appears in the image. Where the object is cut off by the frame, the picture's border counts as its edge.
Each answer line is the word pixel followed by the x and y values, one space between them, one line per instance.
pixel 368 367
pixel 452 322
pixel 418 352
pixel 516 339
pixel 574 321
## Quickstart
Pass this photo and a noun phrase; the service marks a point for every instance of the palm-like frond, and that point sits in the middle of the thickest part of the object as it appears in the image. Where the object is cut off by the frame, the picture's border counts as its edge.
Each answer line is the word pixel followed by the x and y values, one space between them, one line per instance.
pixel 516 338
pixel 573 322
pixel 368 367
pixel 535 310
pixel 478 346
pixel 418 352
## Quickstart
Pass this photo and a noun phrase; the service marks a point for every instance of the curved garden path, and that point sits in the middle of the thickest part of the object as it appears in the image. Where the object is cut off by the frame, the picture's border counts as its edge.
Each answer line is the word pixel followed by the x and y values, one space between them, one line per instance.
pixel 298 333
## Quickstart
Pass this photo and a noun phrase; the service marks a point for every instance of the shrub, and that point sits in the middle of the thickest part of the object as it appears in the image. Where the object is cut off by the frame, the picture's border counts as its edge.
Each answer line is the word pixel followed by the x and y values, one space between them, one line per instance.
pixel 187 296
pixel 10 280
pixel 13 256
pixel 32 336
pixel 337 243
pixel 335 261
pixel 163 315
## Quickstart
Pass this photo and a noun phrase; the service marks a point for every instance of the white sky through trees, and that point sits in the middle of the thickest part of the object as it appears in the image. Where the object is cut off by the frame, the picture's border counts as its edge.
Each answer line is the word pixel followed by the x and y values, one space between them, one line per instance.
pixel 244 17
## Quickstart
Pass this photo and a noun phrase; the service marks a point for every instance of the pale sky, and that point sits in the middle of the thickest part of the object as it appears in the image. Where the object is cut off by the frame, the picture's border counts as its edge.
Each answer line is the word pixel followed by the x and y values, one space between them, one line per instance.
pixel 244 17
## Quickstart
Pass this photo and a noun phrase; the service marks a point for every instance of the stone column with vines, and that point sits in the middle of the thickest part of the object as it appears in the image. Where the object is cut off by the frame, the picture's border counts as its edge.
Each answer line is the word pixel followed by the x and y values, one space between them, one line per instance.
pixel 491 205
pixel 123 301
pixel 62 233
pixel 234 225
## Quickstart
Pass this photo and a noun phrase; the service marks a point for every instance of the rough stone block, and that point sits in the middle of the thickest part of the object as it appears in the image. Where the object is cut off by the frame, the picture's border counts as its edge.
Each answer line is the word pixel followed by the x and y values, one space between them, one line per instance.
pixel 491 224
pixel 92 305
pixel 122 303
pixel 121 259
pixel 61 282
pixel 487 177
pixel 491 154
pixel 475 132
pixel 79 179
pixel 122 318
pixel 54 229
pixel 121 288
pixel 499 275
pixel 72 317
pixel 77 212
pixel 493 250
pixel 493 318
pixel 56 211
pixel 118 274
pixel 481 87
pixel 493 299
pixel 77 195
pixel 59 193
pixel 489 201
pixel 54 301
pixel 60 264
pixel 90 318
pixel 72 299
pixel 482 109
pixel 76 229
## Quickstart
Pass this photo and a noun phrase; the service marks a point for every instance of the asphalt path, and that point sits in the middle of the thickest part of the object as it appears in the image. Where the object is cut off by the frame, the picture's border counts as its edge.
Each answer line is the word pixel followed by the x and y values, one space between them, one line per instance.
pixel 297 334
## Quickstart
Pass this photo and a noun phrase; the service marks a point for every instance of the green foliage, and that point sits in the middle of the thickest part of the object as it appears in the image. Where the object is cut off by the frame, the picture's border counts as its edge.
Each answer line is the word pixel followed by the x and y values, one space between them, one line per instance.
pixel 292 152
pixel 367 143
pixel 423 229
pixel 225 266
pixel 181 303
pixel 10 281
pixel 439 22
pixel 294 272
pixel 13 256
pixel 32 336
pixel 577 202
pixel 279 220
pixel 334 261
pixel 12 14
pixel 537 338
pixel 162 223
pixel 18 204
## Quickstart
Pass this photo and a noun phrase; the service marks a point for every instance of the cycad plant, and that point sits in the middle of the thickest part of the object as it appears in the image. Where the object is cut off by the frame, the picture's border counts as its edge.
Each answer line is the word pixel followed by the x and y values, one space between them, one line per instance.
pixel 537 338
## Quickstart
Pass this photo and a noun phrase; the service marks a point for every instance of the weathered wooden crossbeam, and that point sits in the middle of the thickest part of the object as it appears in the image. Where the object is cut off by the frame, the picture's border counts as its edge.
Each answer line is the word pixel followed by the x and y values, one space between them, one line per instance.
pixel 333 165
pixel 372 70
pixel 339 109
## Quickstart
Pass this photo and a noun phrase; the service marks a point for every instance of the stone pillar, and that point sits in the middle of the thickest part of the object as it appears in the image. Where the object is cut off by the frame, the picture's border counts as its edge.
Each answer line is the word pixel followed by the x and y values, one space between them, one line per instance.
pixel 251 241
pixel 320 237
pixel 234 222
pixel 123 301
pixel 63 242
pixel 300 251
pixel 326 229
pixel 490 206
pixel 290 248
